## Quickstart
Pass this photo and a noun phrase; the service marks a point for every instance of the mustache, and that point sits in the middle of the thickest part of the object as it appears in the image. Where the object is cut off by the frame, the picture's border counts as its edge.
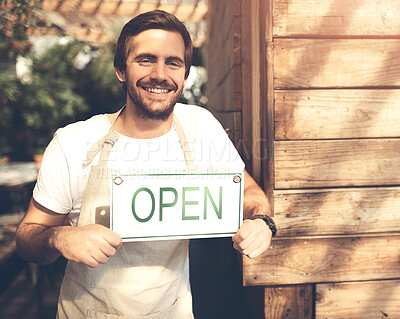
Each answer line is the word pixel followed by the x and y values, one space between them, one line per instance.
pixel 158 84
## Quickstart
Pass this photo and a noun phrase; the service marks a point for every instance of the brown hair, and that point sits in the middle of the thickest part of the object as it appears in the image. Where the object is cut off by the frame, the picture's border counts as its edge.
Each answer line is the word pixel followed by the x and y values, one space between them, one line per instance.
pixel 156 19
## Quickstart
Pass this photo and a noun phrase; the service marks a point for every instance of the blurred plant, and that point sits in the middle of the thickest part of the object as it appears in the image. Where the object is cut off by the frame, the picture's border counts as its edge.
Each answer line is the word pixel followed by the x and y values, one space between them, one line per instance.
pixel 16 17
pixel 51 96
pixel 193 92
pixel 99 84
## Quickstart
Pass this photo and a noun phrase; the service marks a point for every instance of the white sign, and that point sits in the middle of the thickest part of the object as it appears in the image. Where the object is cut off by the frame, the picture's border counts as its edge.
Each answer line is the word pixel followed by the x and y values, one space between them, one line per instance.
pixel 174 206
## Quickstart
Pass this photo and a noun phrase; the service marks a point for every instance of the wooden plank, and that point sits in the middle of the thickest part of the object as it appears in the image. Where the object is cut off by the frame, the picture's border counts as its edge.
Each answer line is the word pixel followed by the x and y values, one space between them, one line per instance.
pixel 147 6
pixel 237 129
pixel 337 163
pixel 367 300
pixel 50 5
pixel 329 63
pixel 329 114
pixel 128 9
pixel 200 10
pixel 108 7
pixel 336 18
pixel 246 81
pixel 89 6
pixel 184 11
pixel 67 6
pixel 290 302
pixel 316 260
pixel 337 211
pixel 269 108
pixel 221 56
pixel 257 84
pixel 221 97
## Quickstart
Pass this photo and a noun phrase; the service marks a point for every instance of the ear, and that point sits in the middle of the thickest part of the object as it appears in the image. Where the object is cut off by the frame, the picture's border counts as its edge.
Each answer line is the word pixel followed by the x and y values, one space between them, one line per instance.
pixel 120 75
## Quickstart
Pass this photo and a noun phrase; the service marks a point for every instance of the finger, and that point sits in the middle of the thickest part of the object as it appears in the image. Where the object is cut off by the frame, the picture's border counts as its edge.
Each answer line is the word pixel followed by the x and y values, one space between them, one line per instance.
pixel 245 238
pixel 100 257
pixel 236 246
pixel 108 250
pixel 90 261
pixel 257 252
pixel 241 234
pixel 113 239
pixel 255 249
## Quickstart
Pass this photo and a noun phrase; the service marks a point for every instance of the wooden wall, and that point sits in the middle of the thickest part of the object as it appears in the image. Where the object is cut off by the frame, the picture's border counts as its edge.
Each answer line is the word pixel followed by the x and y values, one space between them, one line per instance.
pixel 237 75
pixel 330 115
pixel 224 66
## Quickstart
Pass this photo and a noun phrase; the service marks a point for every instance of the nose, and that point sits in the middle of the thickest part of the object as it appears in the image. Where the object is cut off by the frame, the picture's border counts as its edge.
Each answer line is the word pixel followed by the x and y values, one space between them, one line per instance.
pixel 159 71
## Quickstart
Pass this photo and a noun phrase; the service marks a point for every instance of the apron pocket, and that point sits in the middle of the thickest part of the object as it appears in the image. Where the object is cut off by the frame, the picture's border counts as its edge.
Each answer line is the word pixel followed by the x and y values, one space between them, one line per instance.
pixel 169 313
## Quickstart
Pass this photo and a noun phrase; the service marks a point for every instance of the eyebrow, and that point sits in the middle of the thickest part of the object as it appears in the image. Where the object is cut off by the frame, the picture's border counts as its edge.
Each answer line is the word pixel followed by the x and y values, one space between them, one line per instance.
pixel 154 57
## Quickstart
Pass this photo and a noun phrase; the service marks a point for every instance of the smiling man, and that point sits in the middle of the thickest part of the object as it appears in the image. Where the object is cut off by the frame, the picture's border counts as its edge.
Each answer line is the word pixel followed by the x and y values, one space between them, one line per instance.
pixel 151 134
pixel 154 77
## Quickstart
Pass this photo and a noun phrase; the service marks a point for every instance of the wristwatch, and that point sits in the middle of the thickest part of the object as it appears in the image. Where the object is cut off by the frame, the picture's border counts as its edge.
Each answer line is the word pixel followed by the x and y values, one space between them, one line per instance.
pixel 269 221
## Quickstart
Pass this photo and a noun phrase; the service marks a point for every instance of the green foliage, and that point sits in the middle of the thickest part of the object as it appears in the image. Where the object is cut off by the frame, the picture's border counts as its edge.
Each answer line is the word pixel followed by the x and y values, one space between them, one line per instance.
pixel 104 93
pixel 51 99
pixel 59 88
pixel 17 16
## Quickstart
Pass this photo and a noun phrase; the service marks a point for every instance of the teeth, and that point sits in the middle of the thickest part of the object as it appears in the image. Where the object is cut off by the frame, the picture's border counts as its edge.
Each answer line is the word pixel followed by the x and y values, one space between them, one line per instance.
pixel 159 91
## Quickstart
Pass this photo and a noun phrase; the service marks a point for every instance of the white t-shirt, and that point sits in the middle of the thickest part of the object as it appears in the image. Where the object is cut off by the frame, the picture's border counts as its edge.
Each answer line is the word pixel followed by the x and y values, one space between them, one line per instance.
pixel 62 177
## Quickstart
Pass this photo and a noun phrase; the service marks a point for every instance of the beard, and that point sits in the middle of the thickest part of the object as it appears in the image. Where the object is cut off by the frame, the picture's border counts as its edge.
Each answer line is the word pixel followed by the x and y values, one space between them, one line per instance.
pixel 152 109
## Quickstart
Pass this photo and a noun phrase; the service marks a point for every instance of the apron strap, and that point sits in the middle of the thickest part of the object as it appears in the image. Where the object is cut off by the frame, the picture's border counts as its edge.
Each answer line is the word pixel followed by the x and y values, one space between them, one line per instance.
pixel 187 153
pixel 109 139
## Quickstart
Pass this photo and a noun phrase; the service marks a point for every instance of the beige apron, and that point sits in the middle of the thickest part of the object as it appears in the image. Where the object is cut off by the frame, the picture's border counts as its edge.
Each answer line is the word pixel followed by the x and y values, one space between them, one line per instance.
pixel 146 280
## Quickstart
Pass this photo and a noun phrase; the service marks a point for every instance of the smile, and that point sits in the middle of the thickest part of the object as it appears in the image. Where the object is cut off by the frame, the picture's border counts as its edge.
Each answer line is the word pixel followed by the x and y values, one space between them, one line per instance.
pixel 158 91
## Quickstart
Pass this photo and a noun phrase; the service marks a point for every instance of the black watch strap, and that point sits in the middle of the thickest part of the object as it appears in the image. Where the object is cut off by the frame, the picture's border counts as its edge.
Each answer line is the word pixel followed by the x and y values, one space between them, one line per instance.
pixel 269 221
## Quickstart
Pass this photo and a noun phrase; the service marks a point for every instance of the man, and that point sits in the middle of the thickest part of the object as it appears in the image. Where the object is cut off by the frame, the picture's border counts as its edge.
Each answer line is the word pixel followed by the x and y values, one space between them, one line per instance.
pixel 152 134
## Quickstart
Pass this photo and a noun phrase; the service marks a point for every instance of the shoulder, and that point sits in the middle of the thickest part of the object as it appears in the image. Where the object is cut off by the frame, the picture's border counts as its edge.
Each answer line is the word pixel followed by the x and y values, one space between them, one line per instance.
pixel 188 112
pixel 75 139
pixel 92 126
pixel 196 118
pixel 87 132
pixel 199 123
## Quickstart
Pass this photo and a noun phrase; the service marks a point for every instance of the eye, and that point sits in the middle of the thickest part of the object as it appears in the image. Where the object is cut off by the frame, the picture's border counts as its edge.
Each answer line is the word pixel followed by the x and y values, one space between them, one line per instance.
pixel 174 64
pixel 144 62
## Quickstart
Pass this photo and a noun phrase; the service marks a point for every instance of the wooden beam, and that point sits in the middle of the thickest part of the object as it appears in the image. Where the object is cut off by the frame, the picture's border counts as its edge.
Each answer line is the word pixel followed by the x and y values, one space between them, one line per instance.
pixel 333 114
pixel 337 163
pixel 96 10
pixel 269 108
pixel 325 259
pixel 245 77
pixel 289 302
pixel 343 211
pixel 367 300
pixel 324 18
pixel 256 86
pixel 117 7
pixel 332 63
pixel 60 3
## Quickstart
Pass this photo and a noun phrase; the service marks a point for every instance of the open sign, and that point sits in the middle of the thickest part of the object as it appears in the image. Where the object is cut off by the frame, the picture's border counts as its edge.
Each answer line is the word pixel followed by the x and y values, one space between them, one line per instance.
pixel 172 206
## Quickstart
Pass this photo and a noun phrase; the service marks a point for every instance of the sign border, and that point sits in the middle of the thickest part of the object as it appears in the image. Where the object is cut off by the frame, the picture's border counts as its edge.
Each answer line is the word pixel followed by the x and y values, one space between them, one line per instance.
pixel 197 236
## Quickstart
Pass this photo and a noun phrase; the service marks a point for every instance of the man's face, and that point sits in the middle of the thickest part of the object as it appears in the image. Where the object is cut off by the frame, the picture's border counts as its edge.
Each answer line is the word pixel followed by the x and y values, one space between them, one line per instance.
pixel 155 73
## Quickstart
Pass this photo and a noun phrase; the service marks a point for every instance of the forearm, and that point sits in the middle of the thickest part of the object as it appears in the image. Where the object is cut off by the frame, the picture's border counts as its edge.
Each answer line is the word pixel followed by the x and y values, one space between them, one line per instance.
pixel 255 201
pixel 35 243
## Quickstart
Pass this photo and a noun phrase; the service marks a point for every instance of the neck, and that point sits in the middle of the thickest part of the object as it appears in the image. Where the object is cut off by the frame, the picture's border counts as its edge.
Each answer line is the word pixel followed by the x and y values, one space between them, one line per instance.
pixel 132 125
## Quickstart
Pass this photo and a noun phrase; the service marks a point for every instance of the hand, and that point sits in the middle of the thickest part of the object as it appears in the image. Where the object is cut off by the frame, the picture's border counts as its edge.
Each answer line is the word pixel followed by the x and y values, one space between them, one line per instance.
pixel 253 238
pixel 91 245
